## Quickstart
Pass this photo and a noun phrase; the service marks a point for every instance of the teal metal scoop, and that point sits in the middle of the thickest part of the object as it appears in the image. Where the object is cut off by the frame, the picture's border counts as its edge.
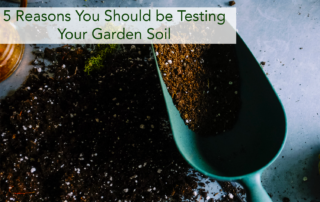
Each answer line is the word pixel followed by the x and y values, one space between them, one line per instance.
pixel 251 146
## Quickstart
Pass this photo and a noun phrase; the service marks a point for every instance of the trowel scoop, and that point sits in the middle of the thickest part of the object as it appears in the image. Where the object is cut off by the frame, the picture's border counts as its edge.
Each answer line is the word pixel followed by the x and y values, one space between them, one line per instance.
pixel 251 145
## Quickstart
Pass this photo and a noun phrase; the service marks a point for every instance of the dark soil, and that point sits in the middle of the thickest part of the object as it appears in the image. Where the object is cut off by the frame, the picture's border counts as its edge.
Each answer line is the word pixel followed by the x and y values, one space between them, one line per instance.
pixel 235 191
pixel 204 83
pixel 103 137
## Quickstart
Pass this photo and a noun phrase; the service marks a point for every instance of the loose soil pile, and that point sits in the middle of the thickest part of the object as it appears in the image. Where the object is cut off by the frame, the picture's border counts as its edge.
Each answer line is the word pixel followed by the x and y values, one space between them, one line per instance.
pixel 68 136
pixel 204 83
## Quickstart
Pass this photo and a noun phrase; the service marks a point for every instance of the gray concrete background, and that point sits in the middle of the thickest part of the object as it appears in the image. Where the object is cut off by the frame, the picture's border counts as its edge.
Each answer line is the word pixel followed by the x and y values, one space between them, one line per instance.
pixel 275 31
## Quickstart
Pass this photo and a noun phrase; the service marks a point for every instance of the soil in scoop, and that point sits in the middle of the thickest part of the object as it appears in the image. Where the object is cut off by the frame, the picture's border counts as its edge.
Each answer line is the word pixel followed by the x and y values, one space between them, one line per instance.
pixel 204 83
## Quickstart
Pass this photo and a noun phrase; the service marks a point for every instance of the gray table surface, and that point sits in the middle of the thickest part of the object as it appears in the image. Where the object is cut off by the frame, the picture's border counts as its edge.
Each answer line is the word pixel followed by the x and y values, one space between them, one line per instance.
pixel 275 31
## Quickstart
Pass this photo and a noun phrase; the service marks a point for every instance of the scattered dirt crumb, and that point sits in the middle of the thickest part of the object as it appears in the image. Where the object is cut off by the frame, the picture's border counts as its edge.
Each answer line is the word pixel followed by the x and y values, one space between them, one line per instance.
pixel 285 199
pixel 231 3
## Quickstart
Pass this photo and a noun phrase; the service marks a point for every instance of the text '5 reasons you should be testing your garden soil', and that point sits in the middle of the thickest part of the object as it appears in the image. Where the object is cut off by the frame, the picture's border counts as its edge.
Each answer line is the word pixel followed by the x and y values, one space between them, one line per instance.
pixel 113 16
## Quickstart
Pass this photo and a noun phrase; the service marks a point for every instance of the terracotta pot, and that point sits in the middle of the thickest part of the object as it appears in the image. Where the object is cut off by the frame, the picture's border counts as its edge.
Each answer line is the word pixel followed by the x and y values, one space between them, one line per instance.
pixel 11 54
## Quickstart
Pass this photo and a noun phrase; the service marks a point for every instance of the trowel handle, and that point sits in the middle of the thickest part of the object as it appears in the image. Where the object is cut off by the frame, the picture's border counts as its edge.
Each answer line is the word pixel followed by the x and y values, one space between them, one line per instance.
pixel 255 193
